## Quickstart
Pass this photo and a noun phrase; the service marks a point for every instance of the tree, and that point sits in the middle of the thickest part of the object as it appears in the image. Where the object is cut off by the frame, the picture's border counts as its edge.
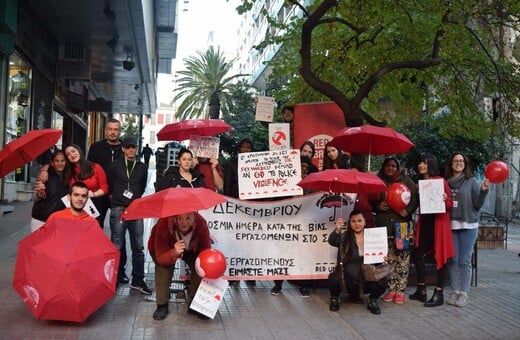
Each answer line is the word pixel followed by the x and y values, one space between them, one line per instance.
pixel 129 127
pixel 446 56
pixel 204 86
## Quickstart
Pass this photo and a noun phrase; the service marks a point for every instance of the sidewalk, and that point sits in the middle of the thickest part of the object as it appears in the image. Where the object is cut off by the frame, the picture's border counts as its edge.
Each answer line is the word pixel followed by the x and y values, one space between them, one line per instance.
pixel 252 313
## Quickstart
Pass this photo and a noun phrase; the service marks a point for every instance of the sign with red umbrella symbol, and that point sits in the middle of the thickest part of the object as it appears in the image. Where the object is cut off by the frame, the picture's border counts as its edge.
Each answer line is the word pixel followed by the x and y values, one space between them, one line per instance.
pixel 66 270
pixel 200 127
pixel 371 140
pixel 343 180
pixel 26 148
pixel 172 201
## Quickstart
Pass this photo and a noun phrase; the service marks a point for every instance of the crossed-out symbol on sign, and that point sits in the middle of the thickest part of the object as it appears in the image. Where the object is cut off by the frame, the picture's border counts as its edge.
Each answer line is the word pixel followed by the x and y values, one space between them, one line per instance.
pixel 278 137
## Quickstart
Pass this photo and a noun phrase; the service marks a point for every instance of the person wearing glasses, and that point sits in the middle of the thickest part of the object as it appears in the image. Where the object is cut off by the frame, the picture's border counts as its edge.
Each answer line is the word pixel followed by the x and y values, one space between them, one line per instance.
pixel 127 181
pixel 468 197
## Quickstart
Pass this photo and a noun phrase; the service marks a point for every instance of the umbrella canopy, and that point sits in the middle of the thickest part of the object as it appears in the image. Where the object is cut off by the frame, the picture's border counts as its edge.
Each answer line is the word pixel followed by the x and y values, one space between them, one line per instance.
pixel 26 148
pixel 200 127
pixel 172 201
pixel 66 270
pixel 343 180
pixel 371 140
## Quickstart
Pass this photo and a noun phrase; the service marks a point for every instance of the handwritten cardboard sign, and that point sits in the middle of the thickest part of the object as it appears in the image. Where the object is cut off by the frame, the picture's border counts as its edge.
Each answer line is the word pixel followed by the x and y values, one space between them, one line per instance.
pixel 278 240
pixel 431 199
pixel 206 147
pixel 264 108
pixel 269 174
pixel 208 297
pixel 375 245
pixel 279 136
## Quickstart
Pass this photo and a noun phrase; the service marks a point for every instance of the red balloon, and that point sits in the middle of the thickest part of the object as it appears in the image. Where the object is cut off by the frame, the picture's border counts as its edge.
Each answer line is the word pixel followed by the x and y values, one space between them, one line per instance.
pixel 398 196
pixel 210 263
pixel 497 172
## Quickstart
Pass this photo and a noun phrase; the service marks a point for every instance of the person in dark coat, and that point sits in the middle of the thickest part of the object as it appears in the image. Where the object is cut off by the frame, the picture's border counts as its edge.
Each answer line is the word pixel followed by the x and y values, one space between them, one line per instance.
pixel 181 175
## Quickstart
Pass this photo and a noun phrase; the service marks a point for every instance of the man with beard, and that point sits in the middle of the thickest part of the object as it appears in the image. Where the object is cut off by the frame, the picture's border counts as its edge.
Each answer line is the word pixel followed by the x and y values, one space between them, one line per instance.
pixel 78 199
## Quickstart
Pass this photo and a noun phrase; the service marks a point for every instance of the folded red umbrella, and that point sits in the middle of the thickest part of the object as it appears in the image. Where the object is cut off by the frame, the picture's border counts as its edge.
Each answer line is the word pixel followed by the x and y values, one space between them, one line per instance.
pixel 26 148
pixel 343 181
pixel 172 201
pixel 198 127
pixel 66 270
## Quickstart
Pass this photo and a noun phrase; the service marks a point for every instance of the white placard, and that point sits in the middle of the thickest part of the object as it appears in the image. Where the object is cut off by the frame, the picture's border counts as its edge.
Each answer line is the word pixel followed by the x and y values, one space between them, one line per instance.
pixel 279 136
pixel 431 199
pixel 89 208
pixel 375 245
pixel 278 240
pixel 209 296
pixel 269 174
pixel 264 108
pixel 206 147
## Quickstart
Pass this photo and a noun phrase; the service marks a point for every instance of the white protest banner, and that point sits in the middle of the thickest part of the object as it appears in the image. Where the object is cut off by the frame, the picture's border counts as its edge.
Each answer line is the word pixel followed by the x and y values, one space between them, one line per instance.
pixel 279 136
pixel 89 208
pixel 269 174
pixel 431 199
pixel 280 240
pixel 264 108
pixel 206 147
pixel 375 245
pixel 208 297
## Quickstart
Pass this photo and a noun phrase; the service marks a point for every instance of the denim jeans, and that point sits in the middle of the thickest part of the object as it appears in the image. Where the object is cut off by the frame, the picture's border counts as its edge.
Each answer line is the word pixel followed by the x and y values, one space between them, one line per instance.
pixel 460 264
pixel 135 229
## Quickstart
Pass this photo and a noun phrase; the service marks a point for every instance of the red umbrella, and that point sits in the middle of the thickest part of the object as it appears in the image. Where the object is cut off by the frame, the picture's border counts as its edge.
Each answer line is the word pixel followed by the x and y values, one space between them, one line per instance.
pixel 199 127
pixel 343 180
pixel 66 270
pixel 172 201
pixel 26 148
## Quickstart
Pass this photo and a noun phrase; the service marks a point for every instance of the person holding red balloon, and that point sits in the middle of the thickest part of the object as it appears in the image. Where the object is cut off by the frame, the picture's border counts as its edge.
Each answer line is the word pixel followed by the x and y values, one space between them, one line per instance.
pixel 184 237
pixel 433 233
pixel 468 197
pixel 394 207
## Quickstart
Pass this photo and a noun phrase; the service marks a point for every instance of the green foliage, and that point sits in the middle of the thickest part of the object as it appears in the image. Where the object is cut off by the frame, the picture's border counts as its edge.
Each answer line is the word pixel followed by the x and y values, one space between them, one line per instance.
pixel 129 127
pixel 204 86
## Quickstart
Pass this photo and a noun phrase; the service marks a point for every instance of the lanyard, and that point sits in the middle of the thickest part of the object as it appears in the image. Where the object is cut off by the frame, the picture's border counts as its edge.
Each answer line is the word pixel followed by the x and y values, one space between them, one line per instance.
pixel 128 174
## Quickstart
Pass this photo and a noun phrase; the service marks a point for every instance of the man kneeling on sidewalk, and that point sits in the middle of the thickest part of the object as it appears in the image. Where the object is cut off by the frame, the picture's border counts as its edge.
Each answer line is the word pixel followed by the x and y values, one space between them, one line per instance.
pixel 176 237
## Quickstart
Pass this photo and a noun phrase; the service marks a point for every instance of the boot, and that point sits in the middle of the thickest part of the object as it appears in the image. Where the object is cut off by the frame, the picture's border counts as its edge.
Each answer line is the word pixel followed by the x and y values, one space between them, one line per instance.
pixel 436 300
pixel 161 312
pixel 420 293
pixel 334 304
pixel 373 306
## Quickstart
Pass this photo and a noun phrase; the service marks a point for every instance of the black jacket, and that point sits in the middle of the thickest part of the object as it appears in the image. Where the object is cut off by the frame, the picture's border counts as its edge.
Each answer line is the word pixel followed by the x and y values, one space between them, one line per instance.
pixel 103 153
pixel 55 189
pixel 172 178
pixel 118 181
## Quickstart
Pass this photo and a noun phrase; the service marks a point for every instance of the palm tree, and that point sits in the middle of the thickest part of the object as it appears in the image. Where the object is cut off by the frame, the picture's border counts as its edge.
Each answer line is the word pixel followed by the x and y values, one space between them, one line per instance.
pixel 205 87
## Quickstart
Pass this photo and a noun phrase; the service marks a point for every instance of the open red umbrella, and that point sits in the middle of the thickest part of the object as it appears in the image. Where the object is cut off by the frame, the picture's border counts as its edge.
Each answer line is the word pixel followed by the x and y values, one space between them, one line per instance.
pixel 172 201
pixel 26 148
pixel 66 270
pixel 199 127
pixel 371 140
pixel 343 181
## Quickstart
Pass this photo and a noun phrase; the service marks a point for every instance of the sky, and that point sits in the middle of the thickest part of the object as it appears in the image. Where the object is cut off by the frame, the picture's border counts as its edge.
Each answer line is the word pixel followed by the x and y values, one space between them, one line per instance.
pixel 196 19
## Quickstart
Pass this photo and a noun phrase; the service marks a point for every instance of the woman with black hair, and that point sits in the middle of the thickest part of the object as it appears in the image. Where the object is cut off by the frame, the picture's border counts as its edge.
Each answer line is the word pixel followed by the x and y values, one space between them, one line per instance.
pixel 433 234
pixel 182 175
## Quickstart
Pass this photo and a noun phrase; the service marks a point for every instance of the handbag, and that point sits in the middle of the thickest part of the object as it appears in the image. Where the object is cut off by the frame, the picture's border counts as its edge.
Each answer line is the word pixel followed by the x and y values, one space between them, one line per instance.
pixel 375 272
pixel 404 235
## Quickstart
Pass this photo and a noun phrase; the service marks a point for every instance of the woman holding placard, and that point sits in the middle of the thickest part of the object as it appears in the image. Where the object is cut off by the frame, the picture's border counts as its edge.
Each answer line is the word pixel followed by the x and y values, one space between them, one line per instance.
pixel 468 197
pixel 433 234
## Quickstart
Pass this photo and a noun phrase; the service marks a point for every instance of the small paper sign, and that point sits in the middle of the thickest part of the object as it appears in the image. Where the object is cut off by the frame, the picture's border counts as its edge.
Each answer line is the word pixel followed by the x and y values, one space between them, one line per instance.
pixel 264 108
pixel 431 199
pixel 209 296
pixel 279 136
pixel 375 245
pixel 206 147
pixel 89 208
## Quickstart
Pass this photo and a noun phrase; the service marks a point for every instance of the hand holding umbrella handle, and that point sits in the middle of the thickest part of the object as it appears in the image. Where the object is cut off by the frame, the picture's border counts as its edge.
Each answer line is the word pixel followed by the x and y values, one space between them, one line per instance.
pixel 179 248
pixel 340 225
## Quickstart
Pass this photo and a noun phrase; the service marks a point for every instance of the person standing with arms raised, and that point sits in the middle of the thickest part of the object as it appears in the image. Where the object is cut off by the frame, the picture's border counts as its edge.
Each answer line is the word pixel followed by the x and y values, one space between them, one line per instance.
pixel 127 182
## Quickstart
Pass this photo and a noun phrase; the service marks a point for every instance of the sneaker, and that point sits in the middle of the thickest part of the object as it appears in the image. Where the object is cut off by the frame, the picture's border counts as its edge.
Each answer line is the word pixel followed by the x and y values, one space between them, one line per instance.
pixel 141 286
pixel 276 290
pixel 161 312
pixel 453 297
pixel 462 300
pixel 123 278
pixel 389 297
pixel 334 304
pixel 373 306
pixel 399 298
pixel 304 292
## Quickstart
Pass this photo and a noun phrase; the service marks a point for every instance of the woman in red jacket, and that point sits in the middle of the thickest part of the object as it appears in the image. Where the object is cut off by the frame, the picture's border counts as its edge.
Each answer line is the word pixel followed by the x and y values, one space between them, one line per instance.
pixel 433 233
pixel 176 237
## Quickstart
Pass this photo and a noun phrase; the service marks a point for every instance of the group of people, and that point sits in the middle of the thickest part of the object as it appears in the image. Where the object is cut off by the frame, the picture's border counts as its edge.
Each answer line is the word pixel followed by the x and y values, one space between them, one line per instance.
pixel 448 236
